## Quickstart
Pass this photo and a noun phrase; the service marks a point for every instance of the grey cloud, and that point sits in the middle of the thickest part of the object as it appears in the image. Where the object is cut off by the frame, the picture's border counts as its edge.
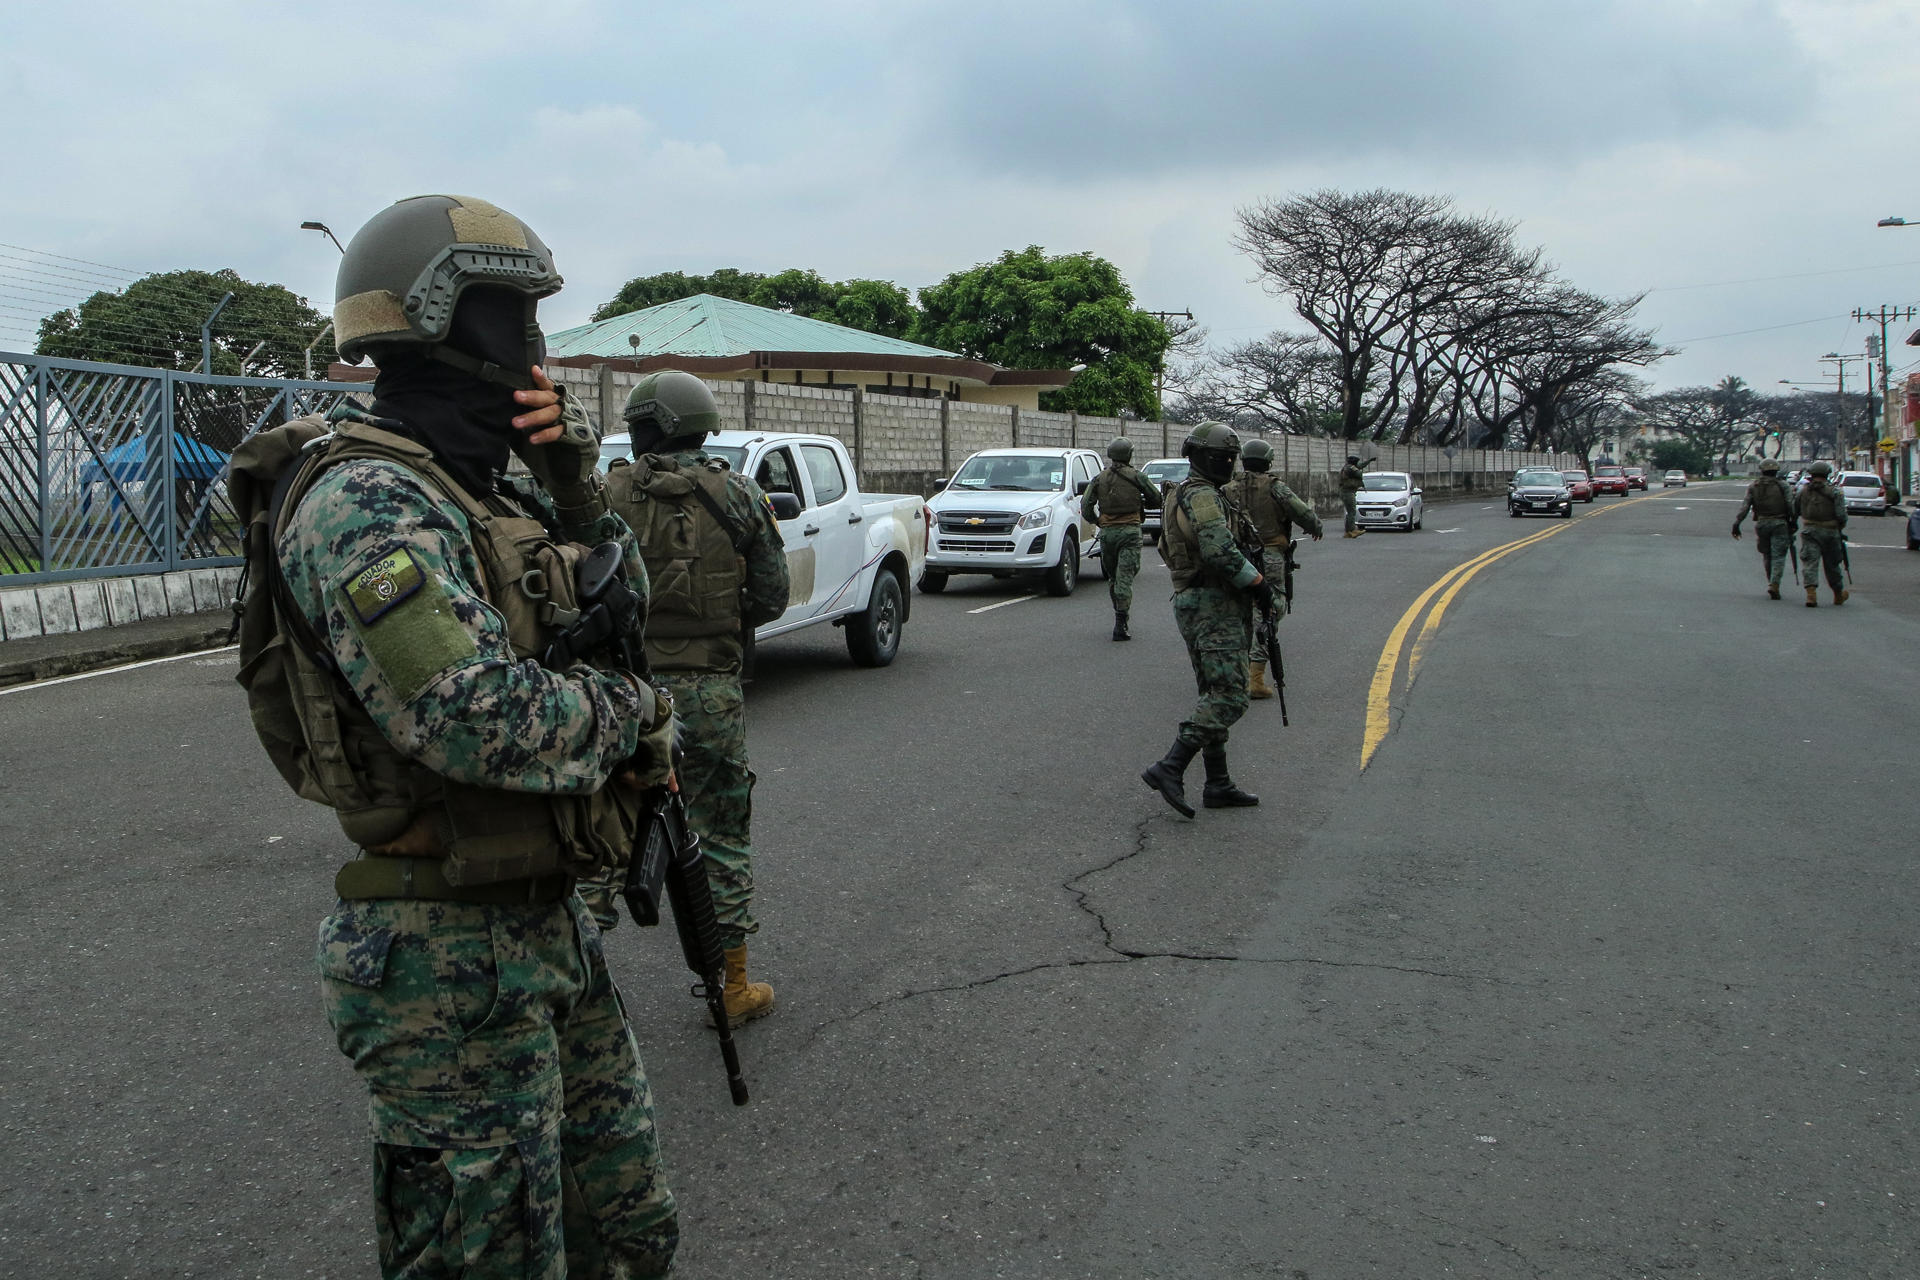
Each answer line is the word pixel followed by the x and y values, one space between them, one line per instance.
pixel 1088 88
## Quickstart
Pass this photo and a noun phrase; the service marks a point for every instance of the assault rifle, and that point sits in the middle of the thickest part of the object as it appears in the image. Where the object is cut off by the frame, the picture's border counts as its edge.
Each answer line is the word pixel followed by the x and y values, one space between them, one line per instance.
pixel 666 852
pixel 1267 633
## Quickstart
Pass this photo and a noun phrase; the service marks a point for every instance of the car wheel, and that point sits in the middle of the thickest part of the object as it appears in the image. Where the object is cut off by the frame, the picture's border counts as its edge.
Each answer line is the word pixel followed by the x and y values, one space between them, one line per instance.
pixel 933 582
pixel 1514 512
pixel 873 637
pixel 1063 576
pixel 1568 513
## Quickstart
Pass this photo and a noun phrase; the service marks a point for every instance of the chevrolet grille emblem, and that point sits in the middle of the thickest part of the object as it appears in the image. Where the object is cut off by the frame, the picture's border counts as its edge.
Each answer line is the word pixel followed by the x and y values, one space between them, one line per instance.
pixel 975 520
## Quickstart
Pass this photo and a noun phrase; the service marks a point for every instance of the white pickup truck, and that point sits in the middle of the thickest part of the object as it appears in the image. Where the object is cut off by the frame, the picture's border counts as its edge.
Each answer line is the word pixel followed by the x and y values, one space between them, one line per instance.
pixel 850 554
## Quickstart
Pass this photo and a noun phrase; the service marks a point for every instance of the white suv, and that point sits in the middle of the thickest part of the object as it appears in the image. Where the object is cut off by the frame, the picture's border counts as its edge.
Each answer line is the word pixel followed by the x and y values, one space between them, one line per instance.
pixel 1013 512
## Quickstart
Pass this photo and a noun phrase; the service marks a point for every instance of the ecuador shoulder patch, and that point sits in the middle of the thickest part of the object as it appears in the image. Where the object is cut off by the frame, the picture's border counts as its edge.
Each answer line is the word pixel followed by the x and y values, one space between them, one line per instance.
pixel 405 621
pixel 1203 504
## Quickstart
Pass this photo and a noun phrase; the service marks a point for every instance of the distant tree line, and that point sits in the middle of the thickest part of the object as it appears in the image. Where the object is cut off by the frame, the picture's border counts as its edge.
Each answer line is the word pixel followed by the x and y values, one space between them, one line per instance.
pixel 1423 325
pixel 155 323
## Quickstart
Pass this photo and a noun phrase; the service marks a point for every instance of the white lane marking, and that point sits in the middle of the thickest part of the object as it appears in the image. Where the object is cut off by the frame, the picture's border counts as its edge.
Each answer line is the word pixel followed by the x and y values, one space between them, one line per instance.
pixel 1878 546
pixel 989 608
pixel 107 671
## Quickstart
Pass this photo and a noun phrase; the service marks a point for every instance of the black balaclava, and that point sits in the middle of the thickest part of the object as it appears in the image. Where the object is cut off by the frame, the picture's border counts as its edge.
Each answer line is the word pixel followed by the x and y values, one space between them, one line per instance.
pixel 467 423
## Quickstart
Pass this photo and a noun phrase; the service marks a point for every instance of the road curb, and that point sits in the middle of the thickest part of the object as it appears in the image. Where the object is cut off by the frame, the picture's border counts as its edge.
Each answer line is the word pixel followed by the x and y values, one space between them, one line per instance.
pixel 109 652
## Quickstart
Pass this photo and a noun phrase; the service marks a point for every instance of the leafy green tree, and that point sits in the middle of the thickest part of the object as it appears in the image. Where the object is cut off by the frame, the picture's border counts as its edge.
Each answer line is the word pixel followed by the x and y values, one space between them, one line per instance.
pixel 1026 310
pixel 155 323
pixel 873 306
pixel 1680 455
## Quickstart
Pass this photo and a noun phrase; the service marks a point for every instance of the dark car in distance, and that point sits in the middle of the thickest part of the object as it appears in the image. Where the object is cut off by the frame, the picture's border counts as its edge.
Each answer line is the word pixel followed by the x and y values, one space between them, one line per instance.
pixel 1539 491
pixel 1636 477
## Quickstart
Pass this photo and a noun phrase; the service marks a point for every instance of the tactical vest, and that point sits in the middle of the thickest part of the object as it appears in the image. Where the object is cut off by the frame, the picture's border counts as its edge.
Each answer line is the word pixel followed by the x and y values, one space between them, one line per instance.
pixel 1820 505
pixel 322 740
pixel 1180 537
pixel 1770 500
pixel 1252 492
pixel 1118 495
pixel 694 563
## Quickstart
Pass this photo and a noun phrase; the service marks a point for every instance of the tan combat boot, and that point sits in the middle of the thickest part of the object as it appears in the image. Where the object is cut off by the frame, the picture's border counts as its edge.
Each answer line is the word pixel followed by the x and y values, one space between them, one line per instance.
pixel 1840 595
pixel 1813 597
pixel 1257 686
pixel 1773 591
pixel 745 1000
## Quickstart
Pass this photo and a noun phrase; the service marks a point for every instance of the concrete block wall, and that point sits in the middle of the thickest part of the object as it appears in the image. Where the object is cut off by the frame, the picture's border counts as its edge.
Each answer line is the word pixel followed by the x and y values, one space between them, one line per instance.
pixel 62 608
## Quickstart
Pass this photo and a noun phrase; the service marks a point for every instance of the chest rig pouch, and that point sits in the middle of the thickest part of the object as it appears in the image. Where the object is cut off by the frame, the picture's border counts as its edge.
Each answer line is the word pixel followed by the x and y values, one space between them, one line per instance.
pixel 1118 496
pixel 1252 493
pixel 385 802
pixel 695 566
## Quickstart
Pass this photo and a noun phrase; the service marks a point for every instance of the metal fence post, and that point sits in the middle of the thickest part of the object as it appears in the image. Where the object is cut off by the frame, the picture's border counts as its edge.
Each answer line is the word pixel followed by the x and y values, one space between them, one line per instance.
pixel 41 445
pixel 1016 426
pixel 170 548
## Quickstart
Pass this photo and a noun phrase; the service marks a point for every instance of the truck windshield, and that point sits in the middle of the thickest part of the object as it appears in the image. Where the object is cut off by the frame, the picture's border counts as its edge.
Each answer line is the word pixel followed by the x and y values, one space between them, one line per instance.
pixel 1015 474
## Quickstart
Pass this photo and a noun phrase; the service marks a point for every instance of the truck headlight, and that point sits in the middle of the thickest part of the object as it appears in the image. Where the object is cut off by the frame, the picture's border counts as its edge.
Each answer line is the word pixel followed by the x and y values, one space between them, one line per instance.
pixel 1036 519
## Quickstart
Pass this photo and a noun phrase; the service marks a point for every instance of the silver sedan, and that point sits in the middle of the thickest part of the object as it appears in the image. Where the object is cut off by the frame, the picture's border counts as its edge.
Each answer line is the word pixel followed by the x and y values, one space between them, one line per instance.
pixel 1390 500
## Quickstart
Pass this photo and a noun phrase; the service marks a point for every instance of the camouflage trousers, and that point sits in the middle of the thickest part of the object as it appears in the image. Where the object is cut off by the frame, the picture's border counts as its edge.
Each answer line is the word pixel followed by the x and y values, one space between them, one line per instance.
pixel 1350 499
pixel 512 1120
pixel 717 786
pixel 1120 562
pixel 1818 547
pixel 1773 538
pixel 1218 628
pixel 1273 567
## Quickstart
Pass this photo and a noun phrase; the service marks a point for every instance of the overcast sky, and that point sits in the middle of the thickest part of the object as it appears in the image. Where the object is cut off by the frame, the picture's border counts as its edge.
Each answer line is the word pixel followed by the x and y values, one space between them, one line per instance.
pixel 1730 157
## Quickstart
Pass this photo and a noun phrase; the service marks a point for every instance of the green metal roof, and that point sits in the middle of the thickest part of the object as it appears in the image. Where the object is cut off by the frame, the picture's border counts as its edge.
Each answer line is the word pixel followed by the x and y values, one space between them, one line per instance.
pixel 704 325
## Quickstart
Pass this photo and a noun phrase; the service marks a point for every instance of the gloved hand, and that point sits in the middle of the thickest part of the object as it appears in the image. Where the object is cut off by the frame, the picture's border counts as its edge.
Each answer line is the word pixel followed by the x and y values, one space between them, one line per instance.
pixel 1736 531
pixel 1263 595
pixel 564 465
pixel 652 761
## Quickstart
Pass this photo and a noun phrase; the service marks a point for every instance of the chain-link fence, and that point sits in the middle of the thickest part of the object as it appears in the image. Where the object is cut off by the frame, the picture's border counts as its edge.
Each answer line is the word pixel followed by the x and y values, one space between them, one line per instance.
pixel 108 469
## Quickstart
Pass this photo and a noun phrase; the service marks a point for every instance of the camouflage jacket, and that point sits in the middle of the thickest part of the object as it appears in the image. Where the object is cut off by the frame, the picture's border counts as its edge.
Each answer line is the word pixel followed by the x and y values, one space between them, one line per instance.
pixel 1821 505
pixel 1120 476
pixel 1352 478
pixel 1272 506
pixel 1202 536
pixel 435 670
pixel 1768 499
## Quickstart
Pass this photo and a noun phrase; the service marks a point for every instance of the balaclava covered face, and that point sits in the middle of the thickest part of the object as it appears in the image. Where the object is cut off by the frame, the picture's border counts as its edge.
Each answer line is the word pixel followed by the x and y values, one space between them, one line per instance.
pixel 467 423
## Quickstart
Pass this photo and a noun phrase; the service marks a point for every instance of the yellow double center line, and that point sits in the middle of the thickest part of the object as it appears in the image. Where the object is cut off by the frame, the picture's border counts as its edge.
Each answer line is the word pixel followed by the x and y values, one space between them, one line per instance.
pixel 1380 692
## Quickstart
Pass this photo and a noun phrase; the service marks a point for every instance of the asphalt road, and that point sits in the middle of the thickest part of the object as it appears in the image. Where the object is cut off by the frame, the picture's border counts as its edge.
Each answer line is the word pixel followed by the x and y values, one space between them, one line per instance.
pixel 1601 967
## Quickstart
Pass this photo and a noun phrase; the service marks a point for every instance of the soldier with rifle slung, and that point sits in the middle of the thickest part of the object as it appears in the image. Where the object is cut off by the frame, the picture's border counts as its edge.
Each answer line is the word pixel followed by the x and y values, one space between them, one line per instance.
pixel 1215 587
pixel 1773 522
pixel 1274 510
pixel 1118 500
pixel 1822 512
pixel 1352 480
pixel 719 569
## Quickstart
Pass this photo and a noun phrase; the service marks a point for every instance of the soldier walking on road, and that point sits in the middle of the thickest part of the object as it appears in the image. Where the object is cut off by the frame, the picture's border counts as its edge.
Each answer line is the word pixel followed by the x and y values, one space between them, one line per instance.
pixel 1352 480
pixel 1274 510
pixel 512 1121
pixel 715 557
pixel 1215 587
pixel 1773 522
pixel 1822 513
pixel 1118 500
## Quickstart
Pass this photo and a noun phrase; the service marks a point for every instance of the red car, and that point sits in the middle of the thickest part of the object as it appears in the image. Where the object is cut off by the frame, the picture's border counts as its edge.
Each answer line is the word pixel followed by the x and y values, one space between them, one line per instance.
pixel 1611 480
pixel 1636 477
pixel 1581 485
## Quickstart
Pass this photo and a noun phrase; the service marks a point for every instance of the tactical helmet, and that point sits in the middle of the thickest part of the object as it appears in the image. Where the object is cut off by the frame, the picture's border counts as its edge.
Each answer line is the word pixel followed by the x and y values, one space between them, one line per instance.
pixel 1353 459
pixel 1212 447
pixel 1256 455
pixel 669 405
pixel 1120 449
pixel 404 272
pixel 1820 470
pixel 1768 467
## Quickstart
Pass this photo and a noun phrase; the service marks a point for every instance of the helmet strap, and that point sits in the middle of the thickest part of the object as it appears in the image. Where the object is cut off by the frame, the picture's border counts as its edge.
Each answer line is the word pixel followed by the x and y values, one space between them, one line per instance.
pixel 485 370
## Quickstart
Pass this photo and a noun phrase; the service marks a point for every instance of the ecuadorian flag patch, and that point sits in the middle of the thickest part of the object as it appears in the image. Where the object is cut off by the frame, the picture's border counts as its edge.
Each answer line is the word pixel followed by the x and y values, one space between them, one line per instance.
pixel 383 584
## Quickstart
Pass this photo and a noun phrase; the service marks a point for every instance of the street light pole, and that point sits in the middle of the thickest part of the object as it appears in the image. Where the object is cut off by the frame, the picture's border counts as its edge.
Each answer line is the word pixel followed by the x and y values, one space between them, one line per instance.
pixel 327 231
pixel 1840 404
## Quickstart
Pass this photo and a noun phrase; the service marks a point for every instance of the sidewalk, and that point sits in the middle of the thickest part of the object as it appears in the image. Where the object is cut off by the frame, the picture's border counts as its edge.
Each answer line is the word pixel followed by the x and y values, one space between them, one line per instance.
pixel 44 657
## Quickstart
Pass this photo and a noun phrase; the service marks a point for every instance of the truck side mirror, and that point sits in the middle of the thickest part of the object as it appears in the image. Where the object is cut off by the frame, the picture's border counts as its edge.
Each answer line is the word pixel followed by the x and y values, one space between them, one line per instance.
pixel 786 506
pixel 1081 487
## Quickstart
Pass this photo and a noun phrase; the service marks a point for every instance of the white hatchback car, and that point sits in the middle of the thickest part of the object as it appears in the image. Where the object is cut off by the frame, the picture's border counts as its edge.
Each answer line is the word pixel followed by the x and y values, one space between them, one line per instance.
pixel 1863 492
pixel 1389 500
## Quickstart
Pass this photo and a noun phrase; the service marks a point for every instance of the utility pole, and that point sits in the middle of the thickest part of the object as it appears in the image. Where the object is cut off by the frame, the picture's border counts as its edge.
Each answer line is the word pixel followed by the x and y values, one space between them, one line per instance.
pixel 1160 373
pixel 1840 405
pixel 1883 316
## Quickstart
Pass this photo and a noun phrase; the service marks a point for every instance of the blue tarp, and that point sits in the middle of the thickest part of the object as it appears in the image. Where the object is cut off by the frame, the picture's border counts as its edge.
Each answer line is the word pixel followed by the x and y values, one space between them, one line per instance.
pixel 126 463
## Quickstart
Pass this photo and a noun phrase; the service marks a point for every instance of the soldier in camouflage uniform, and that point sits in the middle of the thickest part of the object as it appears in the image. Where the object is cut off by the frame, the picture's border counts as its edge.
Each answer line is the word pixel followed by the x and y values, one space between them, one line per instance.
pixel 1205 539
pixel 512 1120
pixel 1274 510
pixel 1822 512
pixel 1773 522
pixel 1352 480
pixel 1118 499
pixel 719 570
